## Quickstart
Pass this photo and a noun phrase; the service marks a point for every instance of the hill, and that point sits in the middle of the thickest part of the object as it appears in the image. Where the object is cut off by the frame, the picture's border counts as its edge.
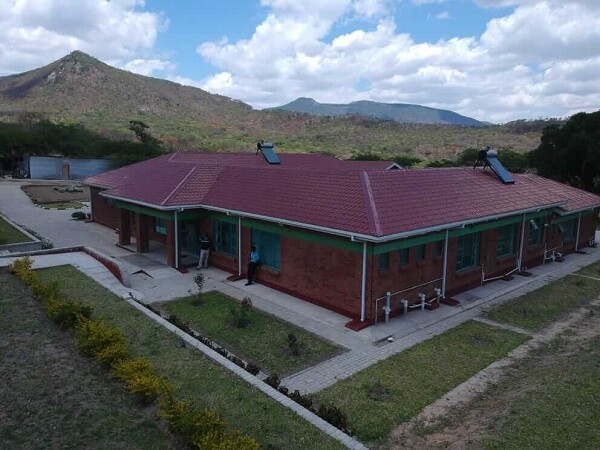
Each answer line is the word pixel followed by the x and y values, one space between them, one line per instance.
pixel 79 89
pixel 397 112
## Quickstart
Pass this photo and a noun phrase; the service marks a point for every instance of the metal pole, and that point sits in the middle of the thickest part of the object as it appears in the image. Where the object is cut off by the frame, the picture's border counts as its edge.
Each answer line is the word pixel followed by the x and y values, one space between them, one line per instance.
pixel 176 229
pixel 578 227
pixel 240 245
pixel 445 265
pixel 363 290
pixel 520 260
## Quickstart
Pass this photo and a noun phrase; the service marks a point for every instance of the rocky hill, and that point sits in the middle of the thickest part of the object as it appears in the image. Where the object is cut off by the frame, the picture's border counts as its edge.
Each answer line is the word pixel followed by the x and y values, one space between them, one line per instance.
pixel 397 112
pixel 80 89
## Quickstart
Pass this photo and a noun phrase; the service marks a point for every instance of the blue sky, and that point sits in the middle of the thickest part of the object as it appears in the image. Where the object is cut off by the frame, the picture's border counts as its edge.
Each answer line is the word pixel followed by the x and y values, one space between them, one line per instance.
pixel 495 60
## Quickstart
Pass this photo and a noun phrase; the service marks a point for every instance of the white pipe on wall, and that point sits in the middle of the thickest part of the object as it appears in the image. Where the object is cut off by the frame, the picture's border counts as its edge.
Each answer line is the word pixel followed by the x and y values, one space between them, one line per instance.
pixel 578 228
pixel 176 229
pixel 445 265
pixel 520 260
pixel 363 291
pixel 240 245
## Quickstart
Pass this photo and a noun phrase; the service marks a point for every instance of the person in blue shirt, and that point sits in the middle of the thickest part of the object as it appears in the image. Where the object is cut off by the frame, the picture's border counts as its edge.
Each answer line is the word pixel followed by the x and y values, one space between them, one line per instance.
pixel 252 264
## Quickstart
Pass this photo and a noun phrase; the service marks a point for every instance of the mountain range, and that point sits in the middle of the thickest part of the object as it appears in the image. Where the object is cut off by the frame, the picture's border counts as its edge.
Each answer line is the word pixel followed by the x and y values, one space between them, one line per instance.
pixel 81 89
pixel 397 112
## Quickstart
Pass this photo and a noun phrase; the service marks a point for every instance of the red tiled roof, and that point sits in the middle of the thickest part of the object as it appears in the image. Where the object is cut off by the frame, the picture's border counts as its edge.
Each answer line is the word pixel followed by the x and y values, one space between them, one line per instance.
pixel 355 197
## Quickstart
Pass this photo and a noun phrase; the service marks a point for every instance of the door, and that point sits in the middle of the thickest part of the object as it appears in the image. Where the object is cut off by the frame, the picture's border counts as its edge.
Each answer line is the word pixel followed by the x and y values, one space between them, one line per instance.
pixel 189 246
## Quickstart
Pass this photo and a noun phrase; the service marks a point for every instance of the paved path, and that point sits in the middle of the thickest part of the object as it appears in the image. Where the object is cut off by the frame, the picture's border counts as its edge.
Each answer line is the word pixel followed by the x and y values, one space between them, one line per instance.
pixel 55 224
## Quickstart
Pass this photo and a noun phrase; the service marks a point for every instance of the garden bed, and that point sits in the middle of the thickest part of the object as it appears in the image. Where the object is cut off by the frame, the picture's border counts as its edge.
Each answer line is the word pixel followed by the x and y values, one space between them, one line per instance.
pixel 198 380
pixel 51 396
pixel 10 235
pixel 264 341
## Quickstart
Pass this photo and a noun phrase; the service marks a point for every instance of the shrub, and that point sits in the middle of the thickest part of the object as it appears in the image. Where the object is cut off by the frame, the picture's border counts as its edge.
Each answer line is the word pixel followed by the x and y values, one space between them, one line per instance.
pixel 93 336
pixel 273 380
pixel 301 399
pixel 252 368
pixel 78 215
pixel 179 323
pixel 22 269
pixel 334 416
pixel 67 314
pixel 180 417
pixel 239 315
pixel 141 379
pixel 199 281
pixel 112 353
pixel 293 344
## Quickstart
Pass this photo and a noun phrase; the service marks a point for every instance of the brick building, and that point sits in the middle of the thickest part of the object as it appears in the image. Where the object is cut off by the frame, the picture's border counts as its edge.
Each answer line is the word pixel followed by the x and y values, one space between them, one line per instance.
pixel 342 234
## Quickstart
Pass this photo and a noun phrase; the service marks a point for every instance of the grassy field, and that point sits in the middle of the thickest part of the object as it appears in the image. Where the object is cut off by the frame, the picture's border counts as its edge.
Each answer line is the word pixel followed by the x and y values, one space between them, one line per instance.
pixel 262 342
pixel 197 379
pixel 51 397
pixel 392 391
pixel 545 305
pixel 10 235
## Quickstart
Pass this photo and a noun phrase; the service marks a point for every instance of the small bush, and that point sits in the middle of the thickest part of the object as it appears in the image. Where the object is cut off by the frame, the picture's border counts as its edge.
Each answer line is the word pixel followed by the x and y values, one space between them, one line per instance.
pixel 179 323
pixel 293 344
pixel 180 417
pixel 273 380
pixel 239 315
pixel 93 336
pixel 199 281
pixel 301 399
pixel 252 368
pixel 334 416
pixel 22 269
pixel 141 379
pixel 78 215
pixel 67 314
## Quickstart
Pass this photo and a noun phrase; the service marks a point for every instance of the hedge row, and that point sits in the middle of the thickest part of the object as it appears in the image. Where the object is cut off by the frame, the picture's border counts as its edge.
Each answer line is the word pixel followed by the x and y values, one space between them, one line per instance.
pixel 95 338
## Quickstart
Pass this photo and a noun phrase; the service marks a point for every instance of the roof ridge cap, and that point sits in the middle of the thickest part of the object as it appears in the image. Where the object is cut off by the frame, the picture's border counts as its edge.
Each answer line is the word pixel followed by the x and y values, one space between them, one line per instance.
pixel 176 188
pixel 373 215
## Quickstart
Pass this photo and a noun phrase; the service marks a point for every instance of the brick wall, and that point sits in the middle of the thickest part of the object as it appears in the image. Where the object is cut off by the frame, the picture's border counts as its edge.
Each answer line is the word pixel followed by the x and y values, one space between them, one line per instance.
pixel 102 212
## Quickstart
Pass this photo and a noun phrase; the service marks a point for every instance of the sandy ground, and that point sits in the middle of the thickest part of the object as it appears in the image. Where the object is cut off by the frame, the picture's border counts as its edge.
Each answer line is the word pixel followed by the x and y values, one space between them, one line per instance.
pixel 458 420
pixel 43 193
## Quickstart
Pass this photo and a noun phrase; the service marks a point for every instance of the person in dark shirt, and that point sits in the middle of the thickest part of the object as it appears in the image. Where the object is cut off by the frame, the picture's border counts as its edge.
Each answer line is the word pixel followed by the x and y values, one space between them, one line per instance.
pixel 204 251
pixel 252 264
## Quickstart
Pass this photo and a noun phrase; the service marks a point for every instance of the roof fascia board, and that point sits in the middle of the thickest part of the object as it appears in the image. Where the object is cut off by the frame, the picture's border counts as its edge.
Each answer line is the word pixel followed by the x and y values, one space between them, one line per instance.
pixel 561 212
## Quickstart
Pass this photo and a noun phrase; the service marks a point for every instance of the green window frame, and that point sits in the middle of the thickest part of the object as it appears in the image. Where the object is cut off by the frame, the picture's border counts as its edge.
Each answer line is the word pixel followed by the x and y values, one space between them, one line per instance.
pixel 536 232
pixel 404 257
pixel 160 225
pixel 570 229
pixel 506 240
pixel 225 237
pixel 268 246
pixel 421 252
pixel 438 249
pixel 467 255
pixel 383 261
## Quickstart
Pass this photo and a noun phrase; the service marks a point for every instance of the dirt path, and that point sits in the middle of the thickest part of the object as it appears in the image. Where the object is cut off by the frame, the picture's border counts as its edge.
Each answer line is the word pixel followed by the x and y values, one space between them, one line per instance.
pixel 465 415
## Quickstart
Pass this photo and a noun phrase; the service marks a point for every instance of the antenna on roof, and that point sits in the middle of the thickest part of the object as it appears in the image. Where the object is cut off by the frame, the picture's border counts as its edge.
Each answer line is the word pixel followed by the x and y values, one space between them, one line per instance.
pixel 266 148
pixel 489 158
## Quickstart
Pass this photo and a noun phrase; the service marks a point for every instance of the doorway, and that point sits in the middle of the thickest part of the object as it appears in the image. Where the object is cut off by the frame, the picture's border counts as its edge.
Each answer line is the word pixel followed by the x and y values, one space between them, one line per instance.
pixel 189 245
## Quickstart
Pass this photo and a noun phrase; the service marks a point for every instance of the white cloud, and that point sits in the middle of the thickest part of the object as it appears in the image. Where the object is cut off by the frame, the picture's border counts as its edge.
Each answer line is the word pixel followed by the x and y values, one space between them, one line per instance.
pixel 148 67
pixel 36 32
pixel 541 59
pixel 444 15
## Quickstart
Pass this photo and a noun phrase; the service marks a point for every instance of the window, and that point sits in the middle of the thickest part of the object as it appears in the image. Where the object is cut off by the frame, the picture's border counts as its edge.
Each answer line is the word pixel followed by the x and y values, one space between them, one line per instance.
pixel 269 248
pixel 225 237
pixel 570 229
pixel 506 240
pixel 160 226
pixel 438 249
pixel 404 257
pixel 468 251
pixel 536 232
pixel 384 261
pixel 421 251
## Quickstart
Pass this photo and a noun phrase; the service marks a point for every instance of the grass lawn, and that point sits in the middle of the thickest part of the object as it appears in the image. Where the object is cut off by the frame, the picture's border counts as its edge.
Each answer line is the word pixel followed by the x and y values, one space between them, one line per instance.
pixel 538 308
pixel 61 205
pixel 262 342
pixel 51 396
pixel 197 378
pixel 562 410
pixel 392 391
pixel 593 270
pixel 10 235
